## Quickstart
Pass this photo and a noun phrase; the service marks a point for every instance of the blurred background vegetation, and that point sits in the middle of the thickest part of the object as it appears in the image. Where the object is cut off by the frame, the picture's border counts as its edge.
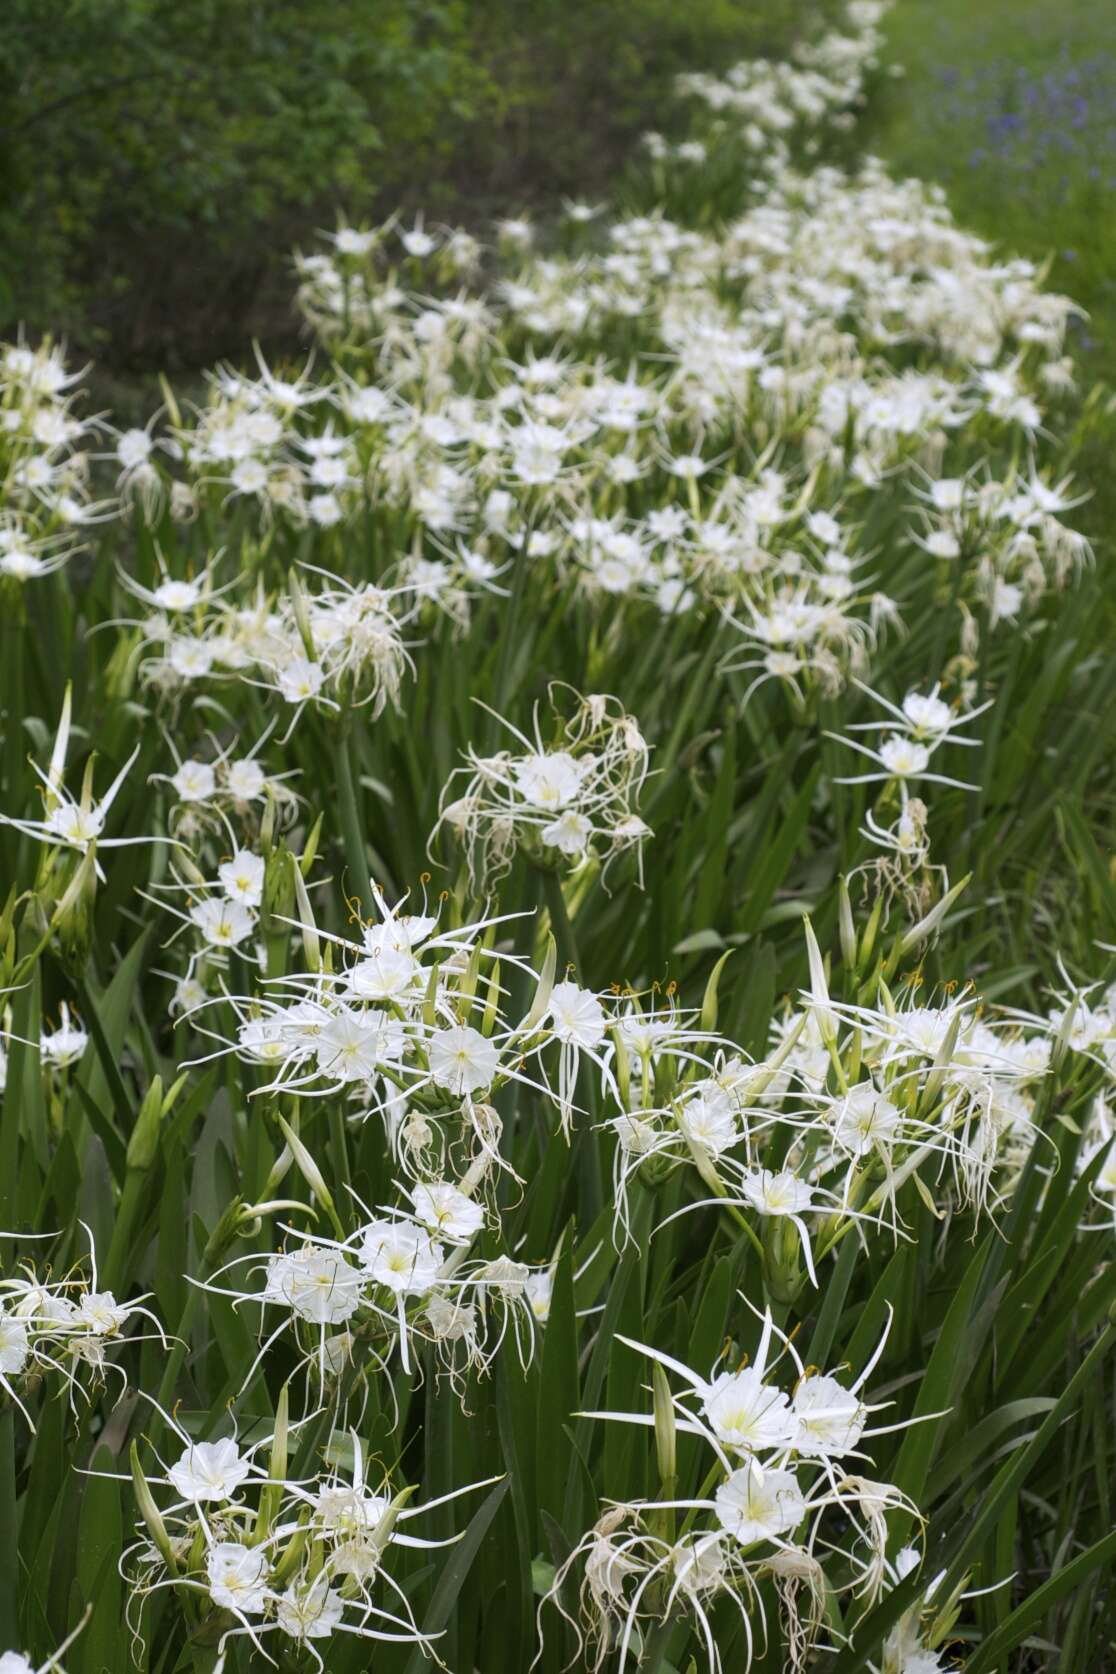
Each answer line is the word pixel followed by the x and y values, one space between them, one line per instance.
pixel 160 158
pixel 1011 105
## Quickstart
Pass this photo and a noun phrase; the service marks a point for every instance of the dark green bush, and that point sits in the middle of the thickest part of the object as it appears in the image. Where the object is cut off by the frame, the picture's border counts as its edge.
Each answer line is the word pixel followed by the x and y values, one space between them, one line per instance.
pixel 158 158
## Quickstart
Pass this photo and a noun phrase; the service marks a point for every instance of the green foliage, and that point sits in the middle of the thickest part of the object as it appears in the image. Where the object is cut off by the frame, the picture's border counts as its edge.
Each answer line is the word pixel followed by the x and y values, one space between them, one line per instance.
pixel 168 1163
pixel 158 158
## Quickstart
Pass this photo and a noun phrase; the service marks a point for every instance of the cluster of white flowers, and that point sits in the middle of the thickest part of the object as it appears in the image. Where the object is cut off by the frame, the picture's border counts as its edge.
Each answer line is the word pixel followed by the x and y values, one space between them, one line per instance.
pixel 334 644
pixel 302 1559
pixel 784 1475
pixel 560 803
pixel 841 322
pixel 676 438
pixel 45 465
pixel 62 1327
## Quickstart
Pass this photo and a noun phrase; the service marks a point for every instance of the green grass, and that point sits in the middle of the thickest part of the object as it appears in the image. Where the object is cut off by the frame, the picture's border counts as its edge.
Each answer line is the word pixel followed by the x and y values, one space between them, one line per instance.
pixel 1046 187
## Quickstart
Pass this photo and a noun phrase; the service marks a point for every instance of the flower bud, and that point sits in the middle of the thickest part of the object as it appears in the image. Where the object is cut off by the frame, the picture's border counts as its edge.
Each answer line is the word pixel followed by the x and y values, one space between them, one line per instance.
pixel 666 1432
pixel 783 1277
pixel 709 1000
pixel 311 1173
pixel 845 924
pixel 150 1513
pixel 143 1145
pixel 72 920
pixel 819 988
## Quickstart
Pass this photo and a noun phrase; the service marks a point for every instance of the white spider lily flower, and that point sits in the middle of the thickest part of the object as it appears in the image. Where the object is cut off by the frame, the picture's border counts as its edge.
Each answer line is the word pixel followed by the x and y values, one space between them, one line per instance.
pixel 749 1416
pixel 756 1504
pixel 899 758
pixel 310 1609
pixel 577 1021
pixel 355 1046
pixel 242 877
pixel 445 1211
pixel 15 1345
pixel 194 781
pixel 399 1256
pixel 318 1285
pixel 76 824
pixel 224 923
pixel 570 799
pixel 299 680
pixel 925 717
pixel 100 1313
pixel 550 779
pixel 462 1060
pixel 64 1046
pixel 405 1261
pixel 830 1418
pixel 238 1577
pixel 864 1120
pixel 209 1472
pixel 244 779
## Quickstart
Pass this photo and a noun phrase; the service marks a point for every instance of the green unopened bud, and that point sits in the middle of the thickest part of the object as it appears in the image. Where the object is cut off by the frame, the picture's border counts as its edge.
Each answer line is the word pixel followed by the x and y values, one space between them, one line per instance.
pixel 301 615
pixel 170 402
pixel 941 1064
pixel 57 765
pixel 267 826
pixel 310 847
pixel 783 1276
pixel 758 1084
pixel 311 1173
pixel 472 973
pixel 279 887
pixel 150 1513
pixel 1065 1034
pixel 72 920
pixel 622 1064
pixel 383 1530
pixel 871 931
pixel 223 1233
pixel 311 946
pixel 143 1145
pixel 845 925
pixel 925 927
pixel 429 999
pixel 944 1621
pixel 819 988
pixel 545 988
pixel 709 1000
pixel 189 871
pixel 492 1003
pixel 8 943
pixel 666 1431
pixel 271 1496
pixel 242 1220
pixel 291 1556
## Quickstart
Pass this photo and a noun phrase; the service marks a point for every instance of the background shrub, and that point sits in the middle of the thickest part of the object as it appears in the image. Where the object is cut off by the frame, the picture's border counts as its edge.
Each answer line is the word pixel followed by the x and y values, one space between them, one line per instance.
pixel 158 158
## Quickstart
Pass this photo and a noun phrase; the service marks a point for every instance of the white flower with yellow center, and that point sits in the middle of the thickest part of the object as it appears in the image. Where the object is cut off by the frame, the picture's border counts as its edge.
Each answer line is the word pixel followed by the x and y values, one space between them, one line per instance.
pixel 462 1060
pixel 446 1211
pixel 237 1577
pixel 209 1471
pixel 755 1504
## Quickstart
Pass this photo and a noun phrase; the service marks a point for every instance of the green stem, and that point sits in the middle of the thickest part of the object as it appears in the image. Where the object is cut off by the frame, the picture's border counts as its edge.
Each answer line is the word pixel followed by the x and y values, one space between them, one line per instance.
pixel 560 920
pixel 9 1569
pixel 352 827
